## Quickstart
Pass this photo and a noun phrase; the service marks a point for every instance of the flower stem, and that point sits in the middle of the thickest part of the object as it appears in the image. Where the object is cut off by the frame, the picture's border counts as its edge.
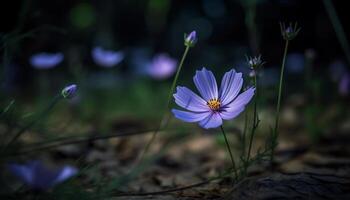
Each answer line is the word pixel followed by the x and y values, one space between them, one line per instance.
pixel 275 131
pixel 177 75
pixel 230 152
pixel 35 120
pixel 165 118
pixel 255 118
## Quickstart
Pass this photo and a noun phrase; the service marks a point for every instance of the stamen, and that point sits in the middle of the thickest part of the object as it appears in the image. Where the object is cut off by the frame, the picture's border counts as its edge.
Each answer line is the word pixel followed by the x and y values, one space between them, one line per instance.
pixel 214 104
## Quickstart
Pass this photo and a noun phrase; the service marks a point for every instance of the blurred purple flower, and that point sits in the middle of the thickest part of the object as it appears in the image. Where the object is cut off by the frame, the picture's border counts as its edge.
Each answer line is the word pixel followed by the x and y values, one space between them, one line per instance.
pixel 162 66
pixel 106 58
pixel 344 85
pixel 46 60
pixel 295 63
pixel 39 177
pixel 214 105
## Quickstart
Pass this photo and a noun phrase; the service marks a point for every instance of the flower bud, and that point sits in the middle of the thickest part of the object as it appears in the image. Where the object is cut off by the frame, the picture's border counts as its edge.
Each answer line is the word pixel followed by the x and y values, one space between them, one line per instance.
pixel 190 39
pixel 69 91
pixel 290 32
pixel 254 62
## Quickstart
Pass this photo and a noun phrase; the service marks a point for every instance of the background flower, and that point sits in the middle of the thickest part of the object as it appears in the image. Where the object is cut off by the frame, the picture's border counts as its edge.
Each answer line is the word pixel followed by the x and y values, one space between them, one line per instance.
pixel 106 58
pixel 39 177
pixel 162 66
pixel 46 60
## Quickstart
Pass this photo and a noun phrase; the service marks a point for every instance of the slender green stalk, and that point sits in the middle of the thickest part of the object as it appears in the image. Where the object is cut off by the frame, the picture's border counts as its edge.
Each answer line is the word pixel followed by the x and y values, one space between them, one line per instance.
pixel 230 152
pixel 339 31
pixel 165 117
pixel 177 75
pixel 255 118
pixel 35 120
pixel 275 131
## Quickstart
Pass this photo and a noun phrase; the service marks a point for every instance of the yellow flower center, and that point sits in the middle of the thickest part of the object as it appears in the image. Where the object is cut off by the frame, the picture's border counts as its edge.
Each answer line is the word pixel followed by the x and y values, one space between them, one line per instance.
pixel 214 104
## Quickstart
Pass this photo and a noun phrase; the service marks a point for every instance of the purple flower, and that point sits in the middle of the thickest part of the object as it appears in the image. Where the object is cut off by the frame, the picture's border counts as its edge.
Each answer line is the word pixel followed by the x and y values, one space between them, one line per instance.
pixel 46 60
pixel 39 177
pixel 69 91
pixel 106 58
pixel 344 85
pixel 161 67
pixel 215 104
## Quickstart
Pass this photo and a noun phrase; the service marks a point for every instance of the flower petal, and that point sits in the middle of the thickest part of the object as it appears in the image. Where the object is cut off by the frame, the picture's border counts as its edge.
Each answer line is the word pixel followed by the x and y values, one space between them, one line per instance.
pixel 189 116
pixel 231 84
pixel 189 100
pixel 214 120
pixel 233 109
pixel 206 84
pixel 23 172
pixel 65 173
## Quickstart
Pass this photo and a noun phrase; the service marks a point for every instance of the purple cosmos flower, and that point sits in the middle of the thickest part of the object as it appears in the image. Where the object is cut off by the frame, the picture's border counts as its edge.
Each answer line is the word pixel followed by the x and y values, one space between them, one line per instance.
pixel 344 85
pixel 39 177
pixel 106 58
pixel 215 104
pixel 161 67
pixel 46 60
pixel 69 91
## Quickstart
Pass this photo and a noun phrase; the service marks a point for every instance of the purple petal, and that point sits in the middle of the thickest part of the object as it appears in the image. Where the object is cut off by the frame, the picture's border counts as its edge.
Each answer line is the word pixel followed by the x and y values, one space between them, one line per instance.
pixel 23 172
pixel 206 84
pixel 189 116
pixel 106 58
pixel 162 66
pixel 189 100
pixel 65 173
pixel 38 176
pixel 231 84
pixel 231 113
pixel 233 109
pixel 214 120
pixel 46 60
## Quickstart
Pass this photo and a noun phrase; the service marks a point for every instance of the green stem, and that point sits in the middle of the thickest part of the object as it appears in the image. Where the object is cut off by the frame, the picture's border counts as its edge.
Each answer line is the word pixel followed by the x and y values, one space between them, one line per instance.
pixel 230 152
pixel 339 31
pixel 255 118
pixel 165 118
pixel 177 76
pixel 275 131
pixel 39 117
